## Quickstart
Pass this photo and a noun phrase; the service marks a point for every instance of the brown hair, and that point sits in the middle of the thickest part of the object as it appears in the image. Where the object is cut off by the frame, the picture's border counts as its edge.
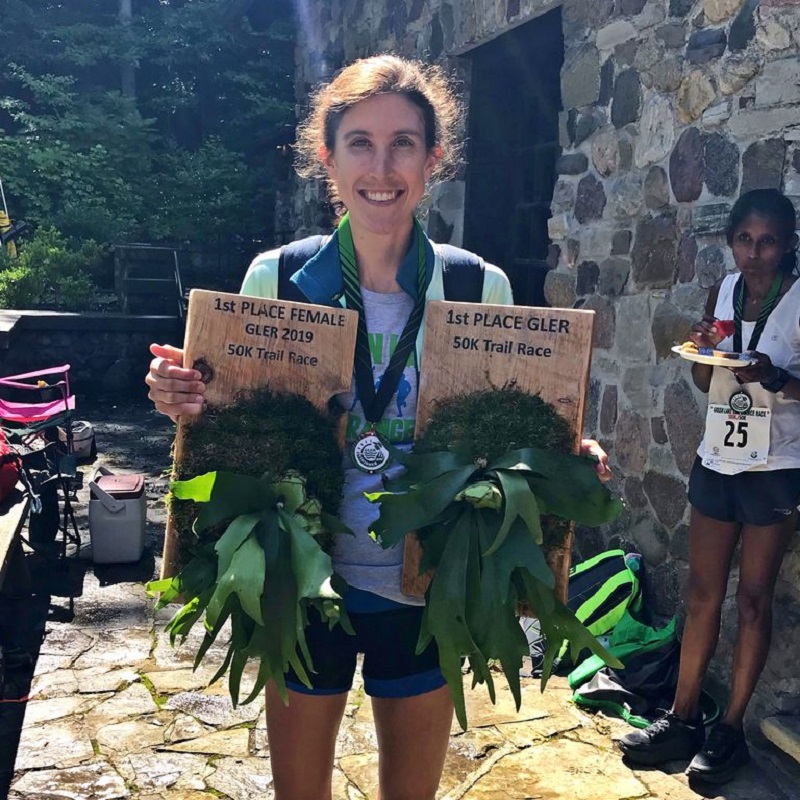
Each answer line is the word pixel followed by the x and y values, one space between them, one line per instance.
pixel 425 85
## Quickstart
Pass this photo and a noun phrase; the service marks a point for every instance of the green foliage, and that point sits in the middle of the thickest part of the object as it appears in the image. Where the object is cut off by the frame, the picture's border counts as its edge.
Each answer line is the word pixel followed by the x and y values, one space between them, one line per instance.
pixel 478 513
pixel 189 155
pixel 264 573
pixel 49 271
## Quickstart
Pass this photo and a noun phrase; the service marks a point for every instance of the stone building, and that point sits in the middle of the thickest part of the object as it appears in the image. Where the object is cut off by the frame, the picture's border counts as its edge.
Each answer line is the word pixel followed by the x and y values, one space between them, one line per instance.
pixel 607 140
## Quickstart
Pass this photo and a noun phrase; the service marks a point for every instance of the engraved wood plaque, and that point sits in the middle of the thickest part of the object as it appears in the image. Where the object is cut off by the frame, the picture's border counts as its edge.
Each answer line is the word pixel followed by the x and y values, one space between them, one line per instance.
pixel 239 342
pixel 470 348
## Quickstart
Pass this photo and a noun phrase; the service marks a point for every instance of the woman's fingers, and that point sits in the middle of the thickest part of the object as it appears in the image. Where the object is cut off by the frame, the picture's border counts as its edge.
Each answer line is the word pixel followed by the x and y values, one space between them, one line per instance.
pixel 175 390
pixel 589 447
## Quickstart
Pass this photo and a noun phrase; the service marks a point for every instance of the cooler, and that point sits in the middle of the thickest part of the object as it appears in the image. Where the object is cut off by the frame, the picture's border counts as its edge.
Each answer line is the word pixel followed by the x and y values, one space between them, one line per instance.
pixel 117 515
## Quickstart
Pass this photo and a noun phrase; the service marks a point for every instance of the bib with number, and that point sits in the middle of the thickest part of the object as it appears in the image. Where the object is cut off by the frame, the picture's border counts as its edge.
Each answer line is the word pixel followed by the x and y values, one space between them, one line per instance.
pixel 736 442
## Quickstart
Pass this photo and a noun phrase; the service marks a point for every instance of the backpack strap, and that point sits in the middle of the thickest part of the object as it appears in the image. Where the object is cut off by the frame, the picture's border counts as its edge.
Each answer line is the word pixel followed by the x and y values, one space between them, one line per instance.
pixel 292 259
pixel 462 274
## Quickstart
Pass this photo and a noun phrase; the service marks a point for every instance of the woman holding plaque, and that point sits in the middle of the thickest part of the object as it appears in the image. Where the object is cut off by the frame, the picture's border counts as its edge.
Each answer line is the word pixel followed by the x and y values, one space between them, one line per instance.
pixel 378 133
pixel 745 483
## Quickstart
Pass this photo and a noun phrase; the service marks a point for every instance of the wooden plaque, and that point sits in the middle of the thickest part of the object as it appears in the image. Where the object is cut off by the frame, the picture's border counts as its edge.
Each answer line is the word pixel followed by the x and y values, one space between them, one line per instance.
pixel 470 348
pixel 239 342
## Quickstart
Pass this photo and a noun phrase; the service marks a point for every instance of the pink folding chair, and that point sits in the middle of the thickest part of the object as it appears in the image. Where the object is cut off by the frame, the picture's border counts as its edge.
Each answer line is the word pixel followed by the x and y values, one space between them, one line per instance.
pixel 34 407
pixel 38 401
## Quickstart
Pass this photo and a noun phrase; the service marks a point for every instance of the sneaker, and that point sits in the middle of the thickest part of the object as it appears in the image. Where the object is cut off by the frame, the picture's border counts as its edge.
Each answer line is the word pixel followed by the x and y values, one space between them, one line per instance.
pixel 667 739
pixel 723 753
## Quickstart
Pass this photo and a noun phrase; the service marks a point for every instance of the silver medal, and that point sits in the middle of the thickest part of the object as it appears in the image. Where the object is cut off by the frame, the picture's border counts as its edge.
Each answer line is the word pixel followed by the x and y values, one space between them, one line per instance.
pixel 740 402
pixel 369 453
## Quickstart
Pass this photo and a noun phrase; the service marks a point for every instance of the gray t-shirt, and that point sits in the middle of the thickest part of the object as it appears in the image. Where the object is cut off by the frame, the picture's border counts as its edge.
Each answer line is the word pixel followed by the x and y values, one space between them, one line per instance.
pixel 362 562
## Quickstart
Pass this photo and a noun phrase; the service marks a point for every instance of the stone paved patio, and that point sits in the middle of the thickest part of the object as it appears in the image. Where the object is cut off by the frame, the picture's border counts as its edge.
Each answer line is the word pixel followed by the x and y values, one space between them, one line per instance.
pixel 115 712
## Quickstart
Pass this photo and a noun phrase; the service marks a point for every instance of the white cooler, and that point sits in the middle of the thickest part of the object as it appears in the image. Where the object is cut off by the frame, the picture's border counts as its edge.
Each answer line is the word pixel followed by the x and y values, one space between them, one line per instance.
pixel 117 516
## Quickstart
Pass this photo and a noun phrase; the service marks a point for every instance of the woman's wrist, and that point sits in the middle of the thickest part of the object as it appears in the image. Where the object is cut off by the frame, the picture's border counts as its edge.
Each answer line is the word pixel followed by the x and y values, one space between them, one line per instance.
pixel 778 381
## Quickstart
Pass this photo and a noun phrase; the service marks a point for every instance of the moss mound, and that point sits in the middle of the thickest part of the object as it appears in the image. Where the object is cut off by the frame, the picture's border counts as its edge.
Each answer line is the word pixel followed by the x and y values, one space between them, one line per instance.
pixel 492 422
pixel 262 433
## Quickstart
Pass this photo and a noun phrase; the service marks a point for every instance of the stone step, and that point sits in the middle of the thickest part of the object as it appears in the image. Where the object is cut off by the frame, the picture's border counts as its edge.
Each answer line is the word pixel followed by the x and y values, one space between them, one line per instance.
pixel 784 733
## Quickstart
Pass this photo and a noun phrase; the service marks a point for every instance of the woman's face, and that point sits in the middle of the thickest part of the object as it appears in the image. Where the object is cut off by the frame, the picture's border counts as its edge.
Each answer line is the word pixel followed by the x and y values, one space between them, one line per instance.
pixel 758 245
pixel 379 164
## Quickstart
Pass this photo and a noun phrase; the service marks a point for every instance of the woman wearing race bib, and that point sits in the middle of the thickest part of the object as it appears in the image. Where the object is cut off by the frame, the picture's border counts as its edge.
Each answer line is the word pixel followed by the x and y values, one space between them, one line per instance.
pixel 745 483
pixel 381 130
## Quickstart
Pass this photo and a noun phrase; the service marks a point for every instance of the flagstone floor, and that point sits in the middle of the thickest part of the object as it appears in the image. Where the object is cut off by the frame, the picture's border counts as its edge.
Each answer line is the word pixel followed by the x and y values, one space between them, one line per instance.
pixel 115 712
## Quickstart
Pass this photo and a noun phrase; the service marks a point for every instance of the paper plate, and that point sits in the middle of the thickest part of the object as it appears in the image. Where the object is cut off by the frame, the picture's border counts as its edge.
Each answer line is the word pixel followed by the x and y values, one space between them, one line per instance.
pixel 715 361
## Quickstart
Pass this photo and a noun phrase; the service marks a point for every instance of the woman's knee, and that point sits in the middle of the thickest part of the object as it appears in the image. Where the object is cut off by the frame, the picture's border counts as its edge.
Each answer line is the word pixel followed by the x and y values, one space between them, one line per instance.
pixel 754 606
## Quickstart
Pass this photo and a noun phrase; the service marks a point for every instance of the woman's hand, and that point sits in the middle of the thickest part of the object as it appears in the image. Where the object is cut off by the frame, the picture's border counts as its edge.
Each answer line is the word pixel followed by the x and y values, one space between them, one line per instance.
pixel 705 333
pixel 589 447
pixel 174 390
pixel 763 371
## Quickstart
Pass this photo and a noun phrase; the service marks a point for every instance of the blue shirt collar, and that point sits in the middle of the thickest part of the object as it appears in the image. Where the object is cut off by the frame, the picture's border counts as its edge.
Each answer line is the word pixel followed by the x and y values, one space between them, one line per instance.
pixel 320 280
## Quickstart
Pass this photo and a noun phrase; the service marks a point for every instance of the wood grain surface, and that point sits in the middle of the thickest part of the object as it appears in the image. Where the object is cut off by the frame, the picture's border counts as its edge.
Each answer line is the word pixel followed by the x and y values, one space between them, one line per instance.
pixel 470 348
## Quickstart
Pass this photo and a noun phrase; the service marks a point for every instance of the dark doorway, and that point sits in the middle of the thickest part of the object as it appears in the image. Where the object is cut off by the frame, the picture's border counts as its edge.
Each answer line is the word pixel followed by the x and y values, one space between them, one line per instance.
pixel 513 145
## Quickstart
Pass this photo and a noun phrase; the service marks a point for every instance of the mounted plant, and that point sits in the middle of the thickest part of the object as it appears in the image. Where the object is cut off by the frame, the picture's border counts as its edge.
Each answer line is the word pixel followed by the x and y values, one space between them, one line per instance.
pixel 490 486
pixel 256 532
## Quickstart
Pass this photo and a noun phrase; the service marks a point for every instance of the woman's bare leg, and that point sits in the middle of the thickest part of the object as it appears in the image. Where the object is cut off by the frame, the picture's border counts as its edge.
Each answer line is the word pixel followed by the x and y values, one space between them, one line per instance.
pixel 711 547
pixel 413 734
pixel 763 549
pixel 302 741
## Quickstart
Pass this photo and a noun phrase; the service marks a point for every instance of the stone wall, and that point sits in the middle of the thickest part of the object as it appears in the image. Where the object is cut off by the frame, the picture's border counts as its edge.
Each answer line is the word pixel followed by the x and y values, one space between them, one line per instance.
pixel 108 354
pixel 671 109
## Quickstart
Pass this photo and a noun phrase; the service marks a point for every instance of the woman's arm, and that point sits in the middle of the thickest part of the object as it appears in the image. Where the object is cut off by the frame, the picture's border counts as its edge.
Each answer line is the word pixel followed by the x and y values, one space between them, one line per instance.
pixel 705 334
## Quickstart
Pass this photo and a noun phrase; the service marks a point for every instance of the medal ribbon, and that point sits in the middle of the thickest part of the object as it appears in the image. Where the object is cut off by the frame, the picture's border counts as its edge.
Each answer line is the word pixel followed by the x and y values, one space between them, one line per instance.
pixel 374 403
pixel 767 304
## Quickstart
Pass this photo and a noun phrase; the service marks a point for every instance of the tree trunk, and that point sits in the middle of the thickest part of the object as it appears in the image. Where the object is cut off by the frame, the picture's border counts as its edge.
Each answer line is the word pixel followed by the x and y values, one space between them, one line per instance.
pixel 127 68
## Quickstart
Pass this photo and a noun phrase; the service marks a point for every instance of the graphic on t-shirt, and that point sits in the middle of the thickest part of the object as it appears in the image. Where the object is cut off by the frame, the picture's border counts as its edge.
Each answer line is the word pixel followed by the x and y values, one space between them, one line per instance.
pixel 398 420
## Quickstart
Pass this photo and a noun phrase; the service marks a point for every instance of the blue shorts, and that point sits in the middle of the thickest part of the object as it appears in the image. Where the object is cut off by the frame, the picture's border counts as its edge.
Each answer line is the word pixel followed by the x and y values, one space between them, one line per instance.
pixel 388 640
pixel 750 498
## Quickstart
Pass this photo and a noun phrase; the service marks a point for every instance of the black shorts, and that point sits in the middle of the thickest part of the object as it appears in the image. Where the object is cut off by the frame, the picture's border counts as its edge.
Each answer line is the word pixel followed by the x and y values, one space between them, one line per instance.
pixel 751 498
pixel 388 640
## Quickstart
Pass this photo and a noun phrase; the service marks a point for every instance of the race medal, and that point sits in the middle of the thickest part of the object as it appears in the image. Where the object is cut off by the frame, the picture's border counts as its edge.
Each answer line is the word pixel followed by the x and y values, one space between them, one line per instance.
pixel 736 441
pixel 369 453
pixel 740 402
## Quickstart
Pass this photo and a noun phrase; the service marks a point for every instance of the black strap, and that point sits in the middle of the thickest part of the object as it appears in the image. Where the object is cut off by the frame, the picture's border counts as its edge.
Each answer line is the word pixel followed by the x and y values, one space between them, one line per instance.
pixel 292 259
pixel 462 271
pixel 462 274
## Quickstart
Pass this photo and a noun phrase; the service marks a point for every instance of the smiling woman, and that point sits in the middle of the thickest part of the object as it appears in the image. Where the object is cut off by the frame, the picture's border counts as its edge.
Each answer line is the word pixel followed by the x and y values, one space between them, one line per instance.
pixel 378 133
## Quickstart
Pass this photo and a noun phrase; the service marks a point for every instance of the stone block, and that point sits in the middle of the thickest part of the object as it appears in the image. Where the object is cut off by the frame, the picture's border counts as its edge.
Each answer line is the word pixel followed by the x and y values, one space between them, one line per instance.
pixel 605 153
pixel 667 496
pixel 779 83
pixel 627 98
pixel 656 131
pixel 632 442
pixel 720 10
pixel 614 274
pixel 638 388
pixel 608 409
pixel 591 200
pixel 604 322
pixel 717 114
pixel 670 326
pixel 613 34
pixel 762 165
pixel 705 45
pixel 580 77
pixel 748 124
pixel 684 423
pixel 633 493
pixel 720 164
pixel 771 35
pixel 621 242
pixel 559 289
pixel 658 430
pixel 695 95
pixel 710 219
pixel 784 733
pixel 673 34
pixel 686 166
pixel 588 275
pixel 687 253
pixel 572 164
pixel 627 195
pixel 633 317
pixel 654 251
pixel 710 266
pixel 743 28
pixel 680 8
pixel 656 189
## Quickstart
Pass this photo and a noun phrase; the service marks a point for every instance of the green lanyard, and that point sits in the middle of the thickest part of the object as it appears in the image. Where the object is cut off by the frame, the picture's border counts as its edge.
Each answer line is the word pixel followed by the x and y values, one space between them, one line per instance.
pixel 374 402
pixel 767 304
